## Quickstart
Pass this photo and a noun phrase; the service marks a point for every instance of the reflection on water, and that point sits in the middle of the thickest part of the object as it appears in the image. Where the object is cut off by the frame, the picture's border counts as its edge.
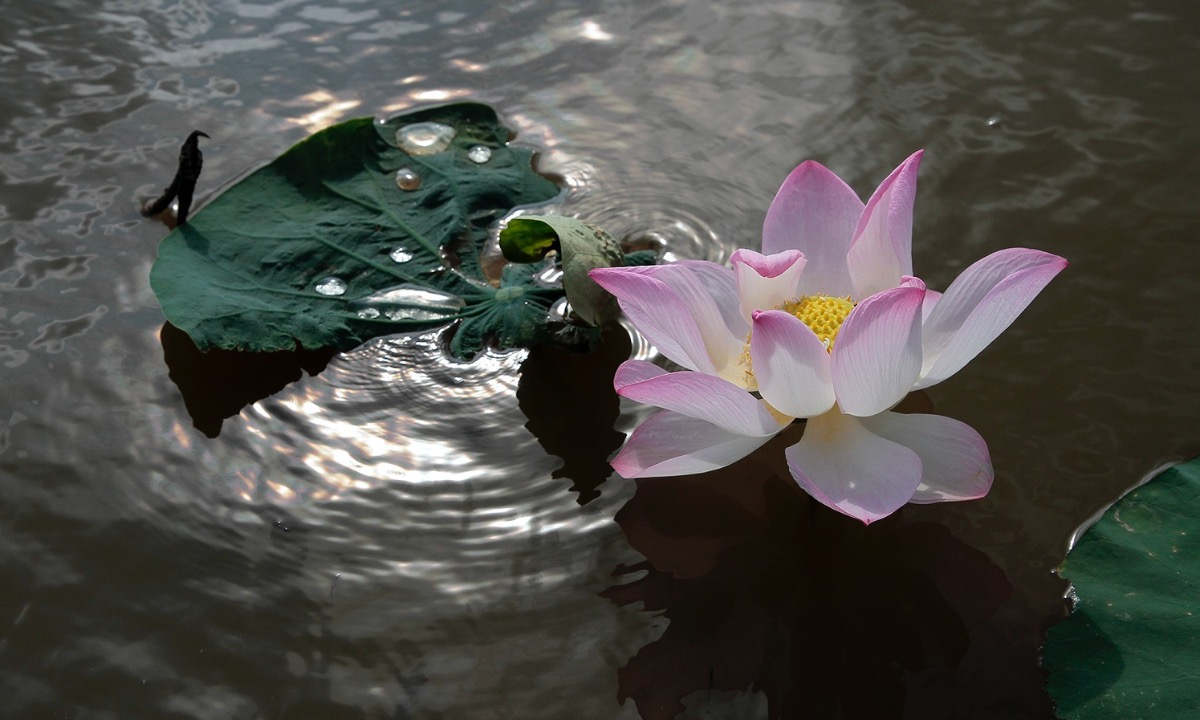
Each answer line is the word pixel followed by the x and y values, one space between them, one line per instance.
pixel 216 385
pixel 402 537
pixel 766 590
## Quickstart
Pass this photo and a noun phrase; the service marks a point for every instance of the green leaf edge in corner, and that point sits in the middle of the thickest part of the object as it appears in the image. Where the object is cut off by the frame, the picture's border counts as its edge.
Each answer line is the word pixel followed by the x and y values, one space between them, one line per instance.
pixel 1131 646
pixel 242 273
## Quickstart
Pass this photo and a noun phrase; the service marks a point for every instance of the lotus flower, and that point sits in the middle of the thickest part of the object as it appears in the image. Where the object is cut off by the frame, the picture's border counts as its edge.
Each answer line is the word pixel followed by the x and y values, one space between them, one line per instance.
pixel 829 324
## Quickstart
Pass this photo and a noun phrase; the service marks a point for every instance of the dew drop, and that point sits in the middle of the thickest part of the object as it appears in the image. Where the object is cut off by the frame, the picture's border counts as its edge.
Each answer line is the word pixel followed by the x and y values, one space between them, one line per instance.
pixel 559 311
pixel 406 179
pixel 551 276
pixel 479 154
pixel 400 255
pixel 426 138
pixel 409 302
pixel 331 286
pixel 368 313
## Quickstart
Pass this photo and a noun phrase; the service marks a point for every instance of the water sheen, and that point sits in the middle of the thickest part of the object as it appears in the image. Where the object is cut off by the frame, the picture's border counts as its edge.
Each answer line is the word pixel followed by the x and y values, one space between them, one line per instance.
pixel 402 535
pixel 410 302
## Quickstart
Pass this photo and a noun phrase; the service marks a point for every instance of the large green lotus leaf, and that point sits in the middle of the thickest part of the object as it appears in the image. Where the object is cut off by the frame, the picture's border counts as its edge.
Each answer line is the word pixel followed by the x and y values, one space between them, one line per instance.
pixel 244 272
pixel 1131 647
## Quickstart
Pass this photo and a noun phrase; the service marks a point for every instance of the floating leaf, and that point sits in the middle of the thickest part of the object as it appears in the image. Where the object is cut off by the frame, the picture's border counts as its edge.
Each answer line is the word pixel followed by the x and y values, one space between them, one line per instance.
pixel 347 236
pixel 583 247
pixel 1131 647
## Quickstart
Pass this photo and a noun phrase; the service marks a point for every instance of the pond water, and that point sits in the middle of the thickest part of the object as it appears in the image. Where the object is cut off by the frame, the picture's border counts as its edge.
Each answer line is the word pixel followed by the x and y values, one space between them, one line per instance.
pixel 403 536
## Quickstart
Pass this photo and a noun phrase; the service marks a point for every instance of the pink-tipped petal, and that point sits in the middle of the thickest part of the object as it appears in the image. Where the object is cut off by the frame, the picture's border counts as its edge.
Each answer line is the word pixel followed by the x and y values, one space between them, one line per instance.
pixel 766 281
pixel 845 466
pixel 881 251
pixel 955 461
pixel 713 282
pixel 668 443
pixel 984 300
pixel 635 371
pixel 877 354
pixel 704 397
pixel 815 212
pixel 658 313
pixel 791 365
pixel 670 306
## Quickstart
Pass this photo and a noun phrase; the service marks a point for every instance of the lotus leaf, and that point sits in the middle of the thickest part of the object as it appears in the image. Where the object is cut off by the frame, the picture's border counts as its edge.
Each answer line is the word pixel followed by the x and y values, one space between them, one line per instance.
pixel 1131 647
pixel 366 228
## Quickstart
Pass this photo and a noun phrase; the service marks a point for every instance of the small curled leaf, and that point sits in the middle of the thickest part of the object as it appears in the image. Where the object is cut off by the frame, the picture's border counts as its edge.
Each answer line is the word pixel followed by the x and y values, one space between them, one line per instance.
pixel 583 247
pixel 527 239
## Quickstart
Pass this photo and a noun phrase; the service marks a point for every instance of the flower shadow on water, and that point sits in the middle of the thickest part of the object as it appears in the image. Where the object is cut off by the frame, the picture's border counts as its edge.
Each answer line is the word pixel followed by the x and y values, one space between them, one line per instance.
pixel 764 589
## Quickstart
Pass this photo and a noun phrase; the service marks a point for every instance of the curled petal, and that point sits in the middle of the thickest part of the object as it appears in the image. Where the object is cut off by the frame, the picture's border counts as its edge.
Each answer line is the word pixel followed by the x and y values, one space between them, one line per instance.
pixel 672 308
pixel 881 251
pixel 877 354
pixel 697 395
pixel 815 212
pixel 845 466
pixel 635 371
pixel 668 443
pixel 984 300
pixel 955 463
pixel 766 281
pixel 791 365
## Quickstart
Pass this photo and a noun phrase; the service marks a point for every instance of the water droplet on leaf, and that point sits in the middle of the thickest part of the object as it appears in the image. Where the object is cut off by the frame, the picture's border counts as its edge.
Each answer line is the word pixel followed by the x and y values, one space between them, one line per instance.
pixel 400 255
pixel 368 313
pixel 426 138
pixel 331 286
pixel 406 179
pixel 551 276
pixel 479 154
pixel 559 311
pixel 409 302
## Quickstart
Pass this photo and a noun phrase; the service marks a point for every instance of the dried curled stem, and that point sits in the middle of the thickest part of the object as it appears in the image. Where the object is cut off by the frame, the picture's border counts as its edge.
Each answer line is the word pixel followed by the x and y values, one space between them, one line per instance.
pixel 184 184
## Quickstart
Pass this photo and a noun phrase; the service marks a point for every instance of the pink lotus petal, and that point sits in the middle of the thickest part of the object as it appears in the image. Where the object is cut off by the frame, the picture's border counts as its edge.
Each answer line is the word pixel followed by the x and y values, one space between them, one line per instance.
pixel 877 354
pixel 814 212
pixel 848 468
pixel 635 371
pixel 984 300
pixel 713 282
pixel 700 396
pixel 766 281
pixel 791 365
pixel 668 443
pixel 955 461
pixel 881 251
pixel 931 300
pixel 670 307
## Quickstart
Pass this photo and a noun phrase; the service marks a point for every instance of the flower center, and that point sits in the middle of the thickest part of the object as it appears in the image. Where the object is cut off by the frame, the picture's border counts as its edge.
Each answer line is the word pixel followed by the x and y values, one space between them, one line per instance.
pixel 822 313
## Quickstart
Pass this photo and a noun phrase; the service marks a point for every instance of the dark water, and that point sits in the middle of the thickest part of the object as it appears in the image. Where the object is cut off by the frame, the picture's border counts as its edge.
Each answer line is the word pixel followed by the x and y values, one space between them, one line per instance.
pixel 400 536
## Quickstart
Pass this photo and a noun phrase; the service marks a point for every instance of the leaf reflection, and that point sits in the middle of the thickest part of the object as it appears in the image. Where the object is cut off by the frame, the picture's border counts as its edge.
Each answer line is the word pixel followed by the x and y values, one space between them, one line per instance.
pixel 571 406
pixel 769 591
pixel 217 384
